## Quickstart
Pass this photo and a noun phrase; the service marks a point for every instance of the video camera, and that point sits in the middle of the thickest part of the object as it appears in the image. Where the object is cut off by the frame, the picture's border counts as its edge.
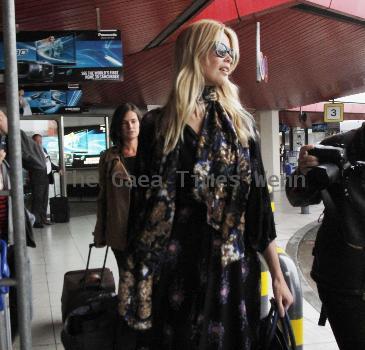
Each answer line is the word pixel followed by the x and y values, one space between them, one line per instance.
pixel 332 161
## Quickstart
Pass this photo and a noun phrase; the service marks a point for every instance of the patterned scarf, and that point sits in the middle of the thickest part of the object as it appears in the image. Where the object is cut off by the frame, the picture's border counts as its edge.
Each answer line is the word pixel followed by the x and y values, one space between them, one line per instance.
pixel 222 180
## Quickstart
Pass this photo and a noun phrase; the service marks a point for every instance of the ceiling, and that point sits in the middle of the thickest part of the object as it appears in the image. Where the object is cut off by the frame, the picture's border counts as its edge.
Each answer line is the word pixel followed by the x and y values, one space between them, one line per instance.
pixel 312 56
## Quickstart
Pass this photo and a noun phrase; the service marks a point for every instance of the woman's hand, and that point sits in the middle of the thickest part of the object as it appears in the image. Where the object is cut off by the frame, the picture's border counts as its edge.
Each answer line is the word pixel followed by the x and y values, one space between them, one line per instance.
pixel 306 161
pixel 281 291
pixel 282 295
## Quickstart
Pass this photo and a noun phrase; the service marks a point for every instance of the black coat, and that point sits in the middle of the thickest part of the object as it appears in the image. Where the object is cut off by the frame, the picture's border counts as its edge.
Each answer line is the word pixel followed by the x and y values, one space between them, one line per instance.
pixel 39 176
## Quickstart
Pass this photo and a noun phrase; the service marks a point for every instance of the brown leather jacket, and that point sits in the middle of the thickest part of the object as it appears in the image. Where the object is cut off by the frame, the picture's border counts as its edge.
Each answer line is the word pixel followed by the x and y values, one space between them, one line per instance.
pixel 113 201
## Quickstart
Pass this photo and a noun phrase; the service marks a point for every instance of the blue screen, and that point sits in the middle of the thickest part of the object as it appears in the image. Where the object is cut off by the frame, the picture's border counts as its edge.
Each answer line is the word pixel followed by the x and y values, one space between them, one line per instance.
pixel 321 127
pixel 56 50
pixel 52 101
pixel 82 146
pixel 99 54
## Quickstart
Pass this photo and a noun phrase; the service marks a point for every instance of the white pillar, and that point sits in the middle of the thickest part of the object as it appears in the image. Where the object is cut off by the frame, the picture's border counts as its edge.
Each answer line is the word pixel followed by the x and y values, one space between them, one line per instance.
pixel 270 145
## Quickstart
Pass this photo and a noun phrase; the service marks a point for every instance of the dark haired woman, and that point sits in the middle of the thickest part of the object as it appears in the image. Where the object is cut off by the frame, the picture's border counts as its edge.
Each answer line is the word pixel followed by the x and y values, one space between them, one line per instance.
pixel 115 167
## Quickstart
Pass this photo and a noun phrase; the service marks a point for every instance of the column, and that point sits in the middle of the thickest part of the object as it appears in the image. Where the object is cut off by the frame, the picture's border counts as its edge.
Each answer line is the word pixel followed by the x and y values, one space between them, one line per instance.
pixel 270 145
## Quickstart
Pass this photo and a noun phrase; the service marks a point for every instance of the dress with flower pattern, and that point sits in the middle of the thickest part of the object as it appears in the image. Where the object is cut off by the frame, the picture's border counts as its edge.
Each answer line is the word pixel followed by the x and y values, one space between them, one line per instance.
pixel 198 303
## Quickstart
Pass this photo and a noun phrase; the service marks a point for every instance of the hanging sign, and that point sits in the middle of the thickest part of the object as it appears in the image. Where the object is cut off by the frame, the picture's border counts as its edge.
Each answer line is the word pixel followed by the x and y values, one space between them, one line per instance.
pixel 262 67
pixel 333 112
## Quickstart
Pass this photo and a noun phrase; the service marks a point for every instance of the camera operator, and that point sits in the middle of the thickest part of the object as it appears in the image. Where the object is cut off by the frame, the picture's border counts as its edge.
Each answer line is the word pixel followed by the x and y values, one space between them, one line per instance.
pixel 336 176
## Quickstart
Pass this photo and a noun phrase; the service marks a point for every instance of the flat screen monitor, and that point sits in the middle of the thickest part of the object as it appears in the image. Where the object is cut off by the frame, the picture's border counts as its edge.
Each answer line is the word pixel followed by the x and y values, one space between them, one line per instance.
pixel 320 127
pixel 82 146
pixel 52 101
pixel 58 50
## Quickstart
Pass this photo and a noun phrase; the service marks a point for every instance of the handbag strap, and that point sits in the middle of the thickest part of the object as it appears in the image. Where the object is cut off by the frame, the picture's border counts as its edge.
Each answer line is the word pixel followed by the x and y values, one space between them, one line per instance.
pixel 273 320
pixel 329 204
pixel 287 324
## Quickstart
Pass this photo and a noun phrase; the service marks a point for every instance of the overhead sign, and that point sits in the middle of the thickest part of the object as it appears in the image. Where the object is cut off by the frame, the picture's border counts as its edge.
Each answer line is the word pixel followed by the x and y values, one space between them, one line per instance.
pixel 262 68
pixel 68 56
pixel 333 112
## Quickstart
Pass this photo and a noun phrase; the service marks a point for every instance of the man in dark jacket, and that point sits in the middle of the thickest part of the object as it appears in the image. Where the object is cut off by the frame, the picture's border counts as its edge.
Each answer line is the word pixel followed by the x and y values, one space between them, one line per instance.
pixel 40 181
pixel 32 160
pixel 339 265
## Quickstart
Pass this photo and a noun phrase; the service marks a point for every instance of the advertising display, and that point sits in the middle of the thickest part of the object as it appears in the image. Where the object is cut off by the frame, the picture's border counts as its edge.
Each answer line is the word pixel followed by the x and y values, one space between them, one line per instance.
pixel 319 127
pixel 82 145
pixel 53 101
pixel 68 56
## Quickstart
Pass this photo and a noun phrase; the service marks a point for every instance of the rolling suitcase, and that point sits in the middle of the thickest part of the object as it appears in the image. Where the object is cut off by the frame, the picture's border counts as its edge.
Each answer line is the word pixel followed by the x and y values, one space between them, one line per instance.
pixel 59 208
pixel 83 285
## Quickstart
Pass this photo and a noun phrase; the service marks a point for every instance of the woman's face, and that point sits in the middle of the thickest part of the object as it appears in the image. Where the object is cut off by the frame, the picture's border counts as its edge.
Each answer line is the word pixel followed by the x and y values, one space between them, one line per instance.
pixel 130 126
pixel 217 69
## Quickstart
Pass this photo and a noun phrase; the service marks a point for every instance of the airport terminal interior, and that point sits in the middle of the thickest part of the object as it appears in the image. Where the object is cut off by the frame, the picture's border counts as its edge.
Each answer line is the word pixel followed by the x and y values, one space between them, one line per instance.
pixel 301 75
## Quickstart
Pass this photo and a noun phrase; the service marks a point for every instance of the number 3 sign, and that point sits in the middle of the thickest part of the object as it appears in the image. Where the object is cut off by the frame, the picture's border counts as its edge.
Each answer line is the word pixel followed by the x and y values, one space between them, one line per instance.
pixel 333 112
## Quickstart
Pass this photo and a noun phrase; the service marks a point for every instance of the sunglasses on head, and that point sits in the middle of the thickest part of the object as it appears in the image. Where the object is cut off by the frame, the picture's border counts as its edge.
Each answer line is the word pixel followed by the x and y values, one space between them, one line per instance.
pixel 221 50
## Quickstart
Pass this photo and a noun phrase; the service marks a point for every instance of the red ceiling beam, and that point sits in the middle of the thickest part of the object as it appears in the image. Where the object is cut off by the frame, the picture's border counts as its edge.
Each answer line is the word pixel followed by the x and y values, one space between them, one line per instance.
pixel 351 8
pixel 227 10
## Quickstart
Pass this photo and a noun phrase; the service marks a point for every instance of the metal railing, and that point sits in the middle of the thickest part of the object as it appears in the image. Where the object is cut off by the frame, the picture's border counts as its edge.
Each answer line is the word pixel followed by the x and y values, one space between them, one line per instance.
pixel 17 195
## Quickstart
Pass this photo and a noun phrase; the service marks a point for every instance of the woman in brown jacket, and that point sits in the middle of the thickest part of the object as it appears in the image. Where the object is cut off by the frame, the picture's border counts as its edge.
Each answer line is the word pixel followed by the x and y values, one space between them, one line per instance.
pixel 115 167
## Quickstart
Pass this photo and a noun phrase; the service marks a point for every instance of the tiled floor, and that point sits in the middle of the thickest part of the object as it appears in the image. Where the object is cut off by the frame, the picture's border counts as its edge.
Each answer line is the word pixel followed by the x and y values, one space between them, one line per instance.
pixel 64 247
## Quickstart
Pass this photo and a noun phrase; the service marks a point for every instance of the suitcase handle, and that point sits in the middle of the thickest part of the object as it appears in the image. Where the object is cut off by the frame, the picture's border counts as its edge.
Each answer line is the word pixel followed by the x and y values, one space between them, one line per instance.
pixel 83 279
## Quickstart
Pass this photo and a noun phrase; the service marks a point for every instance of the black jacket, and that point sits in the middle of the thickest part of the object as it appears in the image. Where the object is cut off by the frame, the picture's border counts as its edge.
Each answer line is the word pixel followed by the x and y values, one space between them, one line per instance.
pixel 337 266
pixel 31 160
pixel 39 176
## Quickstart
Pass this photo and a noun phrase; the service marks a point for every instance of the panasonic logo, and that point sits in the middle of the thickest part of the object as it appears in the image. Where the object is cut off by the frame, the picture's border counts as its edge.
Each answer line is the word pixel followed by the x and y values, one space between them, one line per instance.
pixel 107 35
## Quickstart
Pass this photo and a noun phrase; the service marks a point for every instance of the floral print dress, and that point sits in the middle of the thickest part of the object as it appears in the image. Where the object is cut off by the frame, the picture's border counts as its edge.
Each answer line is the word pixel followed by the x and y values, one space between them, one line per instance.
pixel 198 303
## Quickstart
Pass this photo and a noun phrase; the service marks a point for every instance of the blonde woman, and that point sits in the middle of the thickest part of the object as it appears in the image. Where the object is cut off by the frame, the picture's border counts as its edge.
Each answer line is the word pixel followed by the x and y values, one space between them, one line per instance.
pixel 192 274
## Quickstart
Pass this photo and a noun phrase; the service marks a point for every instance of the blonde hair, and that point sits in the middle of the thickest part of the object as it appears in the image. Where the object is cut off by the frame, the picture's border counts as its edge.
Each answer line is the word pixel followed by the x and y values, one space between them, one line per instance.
pixel 192 47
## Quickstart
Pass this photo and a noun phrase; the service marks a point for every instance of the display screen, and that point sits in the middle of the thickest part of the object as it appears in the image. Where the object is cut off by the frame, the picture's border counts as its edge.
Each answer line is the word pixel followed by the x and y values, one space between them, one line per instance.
pixel 53 101
pixel 321 127
pixel 82 146
pixel 67 56
pixel 56 50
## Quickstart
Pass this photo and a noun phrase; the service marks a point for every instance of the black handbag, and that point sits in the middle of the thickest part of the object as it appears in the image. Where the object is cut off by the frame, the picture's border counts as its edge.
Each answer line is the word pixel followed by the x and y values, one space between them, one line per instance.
pixel 276 333
pixel 93 325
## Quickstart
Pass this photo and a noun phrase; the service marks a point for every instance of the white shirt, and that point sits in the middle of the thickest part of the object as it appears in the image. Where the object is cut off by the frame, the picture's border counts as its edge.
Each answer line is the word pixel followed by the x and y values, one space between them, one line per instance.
pixel 48 162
